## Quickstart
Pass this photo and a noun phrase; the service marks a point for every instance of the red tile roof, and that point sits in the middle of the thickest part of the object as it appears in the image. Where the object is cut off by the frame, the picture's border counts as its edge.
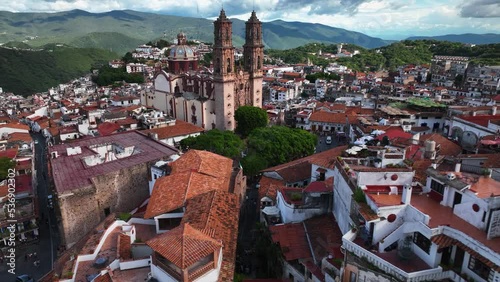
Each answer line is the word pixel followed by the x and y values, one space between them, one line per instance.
pixel 184 185
pixel 15 126
pixel 319 187
pixel 481 119
pixel 103 278
pixel 69 172
pixel 269 186
pixel 395 132
pixel 107 128
pixel 292 240
pixel 9 153
pixel 447 147
pixel 181 128
pixel 184 245
pixel 124 247
pixel 204 162
pixel 325 236
pixel 20 136
pixel 328 117
pixel 216 213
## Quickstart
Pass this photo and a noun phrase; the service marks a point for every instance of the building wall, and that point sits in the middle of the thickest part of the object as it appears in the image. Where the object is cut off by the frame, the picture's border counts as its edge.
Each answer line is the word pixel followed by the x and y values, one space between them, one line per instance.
pixel 289 213
pixel 224 105
pixel 384 178
pixel 78 215
pixel 342 197
pixel 120 191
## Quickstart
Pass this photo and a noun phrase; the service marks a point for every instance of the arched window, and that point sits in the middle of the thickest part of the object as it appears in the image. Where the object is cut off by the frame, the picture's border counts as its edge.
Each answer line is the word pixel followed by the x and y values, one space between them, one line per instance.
pixel 228 65
pixel 258 63
pixel 217 66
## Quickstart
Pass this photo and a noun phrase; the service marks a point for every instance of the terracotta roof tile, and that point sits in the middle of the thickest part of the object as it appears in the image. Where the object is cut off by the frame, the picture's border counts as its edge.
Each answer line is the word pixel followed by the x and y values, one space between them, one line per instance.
pixel 216 213
pixel 269 186
pixel 325 236
pixel 338 118
pixel 19 136
pixel 184 245
pixel 447 147
pixel 204 162
pixel 292 240
pixel 319 186
pixel 103 278
pixel 107 128
pixel 124 247
pixel 184 185
pixel 180 128
pixel 15 125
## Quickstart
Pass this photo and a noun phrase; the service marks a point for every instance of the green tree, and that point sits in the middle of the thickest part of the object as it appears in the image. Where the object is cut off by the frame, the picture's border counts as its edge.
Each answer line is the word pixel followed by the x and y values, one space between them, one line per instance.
pixel 128 58
pixel 5 165
pixel 224 143
pixel 253 164
pixel 277 145
pixel 458 80
pixel 248 118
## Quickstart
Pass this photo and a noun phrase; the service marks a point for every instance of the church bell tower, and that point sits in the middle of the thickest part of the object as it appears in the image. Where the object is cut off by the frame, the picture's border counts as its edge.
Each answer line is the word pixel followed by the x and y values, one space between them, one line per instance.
pixel 253 54
pixel 224 73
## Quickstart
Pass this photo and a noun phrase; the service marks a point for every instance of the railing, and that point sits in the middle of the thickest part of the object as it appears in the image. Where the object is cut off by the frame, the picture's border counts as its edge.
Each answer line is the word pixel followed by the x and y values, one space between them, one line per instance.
pixel 200 271
pixel 387 267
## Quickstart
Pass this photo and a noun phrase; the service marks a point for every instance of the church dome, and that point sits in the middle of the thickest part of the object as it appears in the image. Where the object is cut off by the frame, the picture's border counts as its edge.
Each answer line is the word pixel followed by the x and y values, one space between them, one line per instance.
pixel 182 51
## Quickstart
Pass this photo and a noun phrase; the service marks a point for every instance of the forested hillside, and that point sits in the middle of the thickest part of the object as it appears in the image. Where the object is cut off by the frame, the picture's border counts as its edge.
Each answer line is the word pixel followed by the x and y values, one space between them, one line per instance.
pixel 25 72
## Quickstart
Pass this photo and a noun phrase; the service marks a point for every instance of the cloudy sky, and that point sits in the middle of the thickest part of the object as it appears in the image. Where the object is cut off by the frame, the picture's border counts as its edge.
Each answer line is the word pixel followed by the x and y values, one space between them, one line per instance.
pixel 388 19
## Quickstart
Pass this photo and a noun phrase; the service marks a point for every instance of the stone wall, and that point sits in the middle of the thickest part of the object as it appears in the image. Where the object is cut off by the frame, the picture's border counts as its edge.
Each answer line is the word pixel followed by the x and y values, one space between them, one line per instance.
pixel 119 191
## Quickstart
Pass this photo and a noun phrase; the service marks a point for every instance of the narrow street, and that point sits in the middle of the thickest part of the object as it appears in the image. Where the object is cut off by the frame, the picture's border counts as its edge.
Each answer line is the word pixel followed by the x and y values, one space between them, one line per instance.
pixel 246 237
pixel 46 247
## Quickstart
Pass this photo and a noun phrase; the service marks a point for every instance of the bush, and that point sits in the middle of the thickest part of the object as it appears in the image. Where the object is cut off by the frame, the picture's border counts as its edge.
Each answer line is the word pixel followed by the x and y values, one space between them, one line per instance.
pixel 124 216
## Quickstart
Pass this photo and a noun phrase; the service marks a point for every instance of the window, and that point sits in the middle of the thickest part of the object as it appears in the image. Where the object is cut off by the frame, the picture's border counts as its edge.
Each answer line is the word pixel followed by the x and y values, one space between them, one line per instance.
pixel 107 211
pixel 438 187
pixel 481 269
pixel 352 277
pixel 422 241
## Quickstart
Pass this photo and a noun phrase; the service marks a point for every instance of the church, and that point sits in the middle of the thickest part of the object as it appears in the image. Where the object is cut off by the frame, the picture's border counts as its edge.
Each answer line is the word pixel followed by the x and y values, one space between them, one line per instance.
pixel 209 98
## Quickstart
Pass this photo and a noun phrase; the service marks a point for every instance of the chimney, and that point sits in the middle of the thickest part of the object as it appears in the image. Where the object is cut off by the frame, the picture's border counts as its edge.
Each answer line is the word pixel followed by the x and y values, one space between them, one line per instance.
pixel 458 166
pixel 406 197
pixel 494 110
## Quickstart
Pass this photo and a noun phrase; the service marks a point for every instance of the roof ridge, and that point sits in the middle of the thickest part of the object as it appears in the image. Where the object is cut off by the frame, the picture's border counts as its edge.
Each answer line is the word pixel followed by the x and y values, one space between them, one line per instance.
pixel 211 206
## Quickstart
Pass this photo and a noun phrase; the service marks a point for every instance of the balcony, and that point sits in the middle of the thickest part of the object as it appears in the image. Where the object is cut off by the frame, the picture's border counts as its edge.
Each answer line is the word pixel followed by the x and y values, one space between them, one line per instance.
pixel 390 263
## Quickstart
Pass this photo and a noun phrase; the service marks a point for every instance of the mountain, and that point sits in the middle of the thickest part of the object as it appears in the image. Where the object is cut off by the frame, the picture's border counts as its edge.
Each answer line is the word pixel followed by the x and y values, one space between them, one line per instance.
pixel 83 29
pixel 487 38
pixel 27 71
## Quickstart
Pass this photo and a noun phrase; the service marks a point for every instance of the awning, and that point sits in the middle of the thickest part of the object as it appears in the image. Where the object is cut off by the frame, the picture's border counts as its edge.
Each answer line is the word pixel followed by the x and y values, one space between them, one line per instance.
pixel 271 211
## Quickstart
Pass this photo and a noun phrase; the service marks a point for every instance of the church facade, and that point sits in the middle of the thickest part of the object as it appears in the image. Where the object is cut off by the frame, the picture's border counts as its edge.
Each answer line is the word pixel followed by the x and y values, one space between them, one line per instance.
pixel 209 98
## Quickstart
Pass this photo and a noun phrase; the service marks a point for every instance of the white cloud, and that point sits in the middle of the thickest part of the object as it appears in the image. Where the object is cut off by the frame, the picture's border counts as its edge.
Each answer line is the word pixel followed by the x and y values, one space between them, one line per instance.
pixel 383 18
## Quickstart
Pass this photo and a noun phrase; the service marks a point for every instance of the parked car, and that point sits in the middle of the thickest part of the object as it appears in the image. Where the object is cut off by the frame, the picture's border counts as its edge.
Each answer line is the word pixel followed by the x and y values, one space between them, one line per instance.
pixel 24 278
pixel 328 140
